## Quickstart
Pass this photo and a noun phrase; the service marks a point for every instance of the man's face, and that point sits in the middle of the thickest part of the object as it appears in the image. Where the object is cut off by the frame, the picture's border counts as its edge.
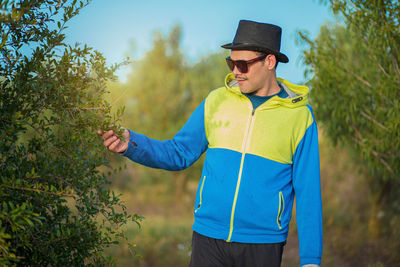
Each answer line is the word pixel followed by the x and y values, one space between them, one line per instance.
pixel 257 75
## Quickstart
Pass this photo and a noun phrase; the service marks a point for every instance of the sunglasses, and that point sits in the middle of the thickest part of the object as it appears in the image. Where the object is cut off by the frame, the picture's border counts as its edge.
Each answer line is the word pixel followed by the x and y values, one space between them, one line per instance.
pixel 242 65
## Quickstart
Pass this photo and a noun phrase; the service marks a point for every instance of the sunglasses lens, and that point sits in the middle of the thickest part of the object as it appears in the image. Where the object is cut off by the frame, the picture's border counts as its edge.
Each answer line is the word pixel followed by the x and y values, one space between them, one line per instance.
pixel 230 63
pixel 242 66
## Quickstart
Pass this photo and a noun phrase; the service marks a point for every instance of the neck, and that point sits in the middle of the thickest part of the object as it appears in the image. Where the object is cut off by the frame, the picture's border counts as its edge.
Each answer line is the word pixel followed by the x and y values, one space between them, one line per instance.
pixel 271 87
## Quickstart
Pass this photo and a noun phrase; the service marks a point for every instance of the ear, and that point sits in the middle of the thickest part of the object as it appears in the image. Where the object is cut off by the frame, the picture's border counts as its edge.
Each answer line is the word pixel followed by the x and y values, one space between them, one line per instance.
pixel 270 61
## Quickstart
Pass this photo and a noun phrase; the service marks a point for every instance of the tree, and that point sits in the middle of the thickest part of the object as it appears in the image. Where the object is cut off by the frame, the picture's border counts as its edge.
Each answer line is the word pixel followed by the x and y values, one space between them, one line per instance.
pixel 355 88
pixel 55 208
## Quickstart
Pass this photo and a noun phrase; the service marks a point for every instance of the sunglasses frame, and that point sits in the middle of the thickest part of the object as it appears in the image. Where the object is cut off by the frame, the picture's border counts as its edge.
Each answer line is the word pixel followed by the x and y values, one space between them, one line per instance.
pixel 242 65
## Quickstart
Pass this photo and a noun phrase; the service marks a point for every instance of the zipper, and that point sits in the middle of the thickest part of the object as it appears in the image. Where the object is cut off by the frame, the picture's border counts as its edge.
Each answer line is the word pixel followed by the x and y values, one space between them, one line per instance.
pixel 244 147
pixel 281 209
pixel 201 194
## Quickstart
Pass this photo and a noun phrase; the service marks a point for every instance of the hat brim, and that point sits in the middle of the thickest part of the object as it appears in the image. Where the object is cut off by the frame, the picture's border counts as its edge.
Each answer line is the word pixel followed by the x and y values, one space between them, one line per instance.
pixel 243 46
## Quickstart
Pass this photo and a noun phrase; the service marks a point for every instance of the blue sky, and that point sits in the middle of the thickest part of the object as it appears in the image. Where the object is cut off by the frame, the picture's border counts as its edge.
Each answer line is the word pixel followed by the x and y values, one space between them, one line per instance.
pixel 110 26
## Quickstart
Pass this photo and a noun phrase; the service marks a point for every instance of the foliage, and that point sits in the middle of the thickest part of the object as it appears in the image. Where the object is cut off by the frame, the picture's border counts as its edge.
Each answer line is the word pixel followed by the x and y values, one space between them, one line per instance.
pixel 55 208
pixel 355 88
pixel 356 80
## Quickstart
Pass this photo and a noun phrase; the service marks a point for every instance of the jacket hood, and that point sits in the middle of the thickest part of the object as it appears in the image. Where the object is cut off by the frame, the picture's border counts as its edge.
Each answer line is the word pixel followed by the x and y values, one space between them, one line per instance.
pixel 297 94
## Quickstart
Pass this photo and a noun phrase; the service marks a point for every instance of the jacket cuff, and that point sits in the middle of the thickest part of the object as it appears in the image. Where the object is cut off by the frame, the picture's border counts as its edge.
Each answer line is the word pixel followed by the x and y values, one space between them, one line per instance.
pixel 132 146
pixel 310 262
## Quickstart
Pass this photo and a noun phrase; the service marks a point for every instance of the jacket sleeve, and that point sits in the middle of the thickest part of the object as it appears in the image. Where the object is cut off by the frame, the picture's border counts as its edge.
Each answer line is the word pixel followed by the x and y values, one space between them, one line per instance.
pixel 175 154
pixel 307 186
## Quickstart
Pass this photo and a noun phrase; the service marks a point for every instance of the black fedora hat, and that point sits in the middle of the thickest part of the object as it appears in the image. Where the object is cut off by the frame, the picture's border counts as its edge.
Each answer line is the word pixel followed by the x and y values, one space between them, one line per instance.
pixel 256 36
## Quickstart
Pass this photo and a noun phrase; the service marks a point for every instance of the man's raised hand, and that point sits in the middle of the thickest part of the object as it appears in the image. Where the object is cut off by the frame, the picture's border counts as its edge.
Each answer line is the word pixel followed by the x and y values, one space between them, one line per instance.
pixel 113 142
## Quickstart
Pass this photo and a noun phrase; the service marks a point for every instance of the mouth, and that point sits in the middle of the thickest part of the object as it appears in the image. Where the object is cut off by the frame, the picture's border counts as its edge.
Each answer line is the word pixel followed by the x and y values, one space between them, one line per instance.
pixel 240 79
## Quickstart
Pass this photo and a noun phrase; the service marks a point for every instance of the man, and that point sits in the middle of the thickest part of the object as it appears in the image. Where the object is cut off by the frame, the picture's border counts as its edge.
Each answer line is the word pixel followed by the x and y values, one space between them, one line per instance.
pixel 262 149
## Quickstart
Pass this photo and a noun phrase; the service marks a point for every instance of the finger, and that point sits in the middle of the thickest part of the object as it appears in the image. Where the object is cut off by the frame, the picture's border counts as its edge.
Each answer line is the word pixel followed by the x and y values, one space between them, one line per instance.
pixel 109 141
pixel 114 145
pixel 123 147
pixel 99 132
pixel 108 134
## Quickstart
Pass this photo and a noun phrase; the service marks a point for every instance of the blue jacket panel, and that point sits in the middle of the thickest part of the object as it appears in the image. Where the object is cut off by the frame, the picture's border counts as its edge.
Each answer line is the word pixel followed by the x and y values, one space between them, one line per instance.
pixel 176 154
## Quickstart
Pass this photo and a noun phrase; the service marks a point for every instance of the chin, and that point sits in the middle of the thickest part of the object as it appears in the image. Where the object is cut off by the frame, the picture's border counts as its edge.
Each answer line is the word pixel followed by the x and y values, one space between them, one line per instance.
pixel 245 90
pixel 242 89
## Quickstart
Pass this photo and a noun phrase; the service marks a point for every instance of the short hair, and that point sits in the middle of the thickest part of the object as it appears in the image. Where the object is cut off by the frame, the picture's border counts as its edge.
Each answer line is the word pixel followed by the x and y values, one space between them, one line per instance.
pixel 260 53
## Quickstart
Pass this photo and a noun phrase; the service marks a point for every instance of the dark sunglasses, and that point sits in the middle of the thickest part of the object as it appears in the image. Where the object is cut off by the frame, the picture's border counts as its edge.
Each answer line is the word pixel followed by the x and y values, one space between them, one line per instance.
pixel 242 65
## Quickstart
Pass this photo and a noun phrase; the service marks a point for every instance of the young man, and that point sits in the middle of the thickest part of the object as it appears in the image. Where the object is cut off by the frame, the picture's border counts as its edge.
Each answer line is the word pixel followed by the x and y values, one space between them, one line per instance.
pixel 262 149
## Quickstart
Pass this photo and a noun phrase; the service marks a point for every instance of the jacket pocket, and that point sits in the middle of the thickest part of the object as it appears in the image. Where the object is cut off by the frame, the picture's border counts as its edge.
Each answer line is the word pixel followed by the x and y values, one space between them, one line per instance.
pixel 280 209
pixel 200 195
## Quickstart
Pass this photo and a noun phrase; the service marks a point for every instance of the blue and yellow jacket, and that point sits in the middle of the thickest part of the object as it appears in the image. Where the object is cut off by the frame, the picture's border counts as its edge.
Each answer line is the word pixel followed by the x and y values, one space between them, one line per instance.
pixel 256 162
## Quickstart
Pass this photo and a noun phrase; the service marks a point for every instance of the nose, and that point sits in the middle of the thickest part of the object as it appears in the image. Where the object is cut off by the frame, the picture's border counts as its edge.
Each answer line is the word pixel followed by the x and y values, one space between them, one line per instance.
pixel 236 71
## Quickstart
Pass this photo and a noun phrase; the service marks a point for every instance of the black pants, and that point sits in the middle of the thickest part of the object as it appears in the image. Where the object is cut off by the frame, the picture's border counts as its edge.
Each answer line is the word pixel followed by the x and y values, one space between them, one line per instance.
pixel 210 252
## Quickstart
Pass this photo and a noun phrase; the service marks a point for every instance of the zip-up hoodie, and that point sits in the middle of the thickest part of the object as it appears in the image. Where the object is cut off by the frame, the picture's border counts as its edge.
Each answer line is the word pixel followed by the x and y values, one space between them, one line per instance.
pixel 256 162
